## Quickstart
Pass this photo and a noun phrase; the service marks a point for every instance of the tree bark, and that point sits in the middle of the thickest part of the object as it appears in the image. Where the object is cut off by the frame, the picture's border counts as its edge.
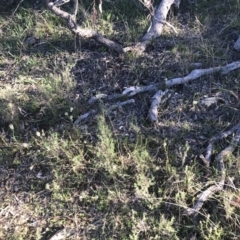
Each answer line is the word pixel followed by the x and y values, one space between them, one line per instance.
pixel 159 20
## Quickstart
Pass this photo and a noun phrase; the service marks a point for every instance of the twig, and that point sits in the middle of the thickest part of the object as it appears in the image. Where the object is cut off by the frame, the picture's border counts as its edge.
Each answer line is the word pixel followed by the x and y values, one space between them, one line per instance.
pixel 171 26
pixel 97 97
pixel 204 197
pixel 131 91
pixel 84 116
pixel 221 168
pixel 75 8
pixel 60 2
pixel 206 161
pixel 217 138
pixel 120 104
pixel 16 8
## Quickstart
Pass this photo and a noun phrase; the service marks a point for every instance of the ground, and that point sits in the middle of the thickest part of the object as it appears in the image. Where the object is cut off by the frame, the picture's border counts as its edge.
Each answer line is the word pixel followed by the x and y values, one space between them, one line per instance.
pixel 115 175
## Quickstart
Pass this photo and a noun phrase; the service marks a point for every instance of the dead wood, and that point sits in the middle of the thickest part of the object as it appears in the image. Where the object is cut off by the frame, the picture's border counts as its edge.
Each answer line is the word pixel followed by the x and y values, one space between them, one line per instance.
pixel 128 92
pixel 84 116
pixel 159 19
pixel 197 73
pixel 155 30
pixel 156 101
pixel 205 195
pixel 120 104
pixel 80 31
pixel 63 234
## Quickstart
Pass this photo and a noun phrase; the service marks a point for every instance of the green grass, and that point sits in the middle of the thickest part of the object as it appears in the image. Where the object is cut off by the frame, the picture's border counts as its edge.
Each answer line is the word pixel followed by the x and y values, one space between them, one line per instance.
pixel 115 175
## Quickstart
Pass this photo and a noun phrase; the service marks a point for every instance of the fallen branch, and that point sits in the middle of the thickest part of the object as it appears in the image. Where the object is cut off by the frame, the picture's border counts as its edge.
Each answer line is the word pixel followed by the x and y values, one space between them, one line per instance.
pixel 84 116
pixel 131 91
pixel 237 44
pixel 223 135
pixel 197 73
pixel 120 104
pixel 156 101
pixel 205 195
pixel 128 92
pixel 97 97
pixel 155 30
pixel 156 27
pixel 115 96
pixel 80 31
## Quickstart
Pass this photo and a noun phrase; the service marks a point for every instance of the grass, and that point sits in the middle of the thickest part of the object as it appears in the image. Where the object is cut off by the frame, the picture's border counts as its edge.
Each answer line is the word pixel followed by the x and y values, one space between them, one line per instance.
pixel 114 176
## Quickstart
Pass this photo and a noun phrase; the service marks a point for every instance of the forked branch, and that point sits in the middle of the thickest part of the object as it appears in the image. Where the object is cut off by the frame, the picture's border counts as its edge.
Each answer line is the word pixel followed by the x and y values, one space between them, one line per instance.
pixel 205 195
pixel 80 31
pixel 155 30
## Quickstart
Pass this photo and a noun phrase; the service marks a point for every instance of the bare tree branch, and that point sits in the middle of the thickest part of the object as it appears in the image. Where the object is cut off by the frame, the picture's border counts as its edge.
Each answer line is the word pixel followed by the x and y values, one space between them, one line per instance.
pixel 84 116
pixel 205 195
pixel 197 73
pixel 83 32
pixel 159 20
pixel 120 104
